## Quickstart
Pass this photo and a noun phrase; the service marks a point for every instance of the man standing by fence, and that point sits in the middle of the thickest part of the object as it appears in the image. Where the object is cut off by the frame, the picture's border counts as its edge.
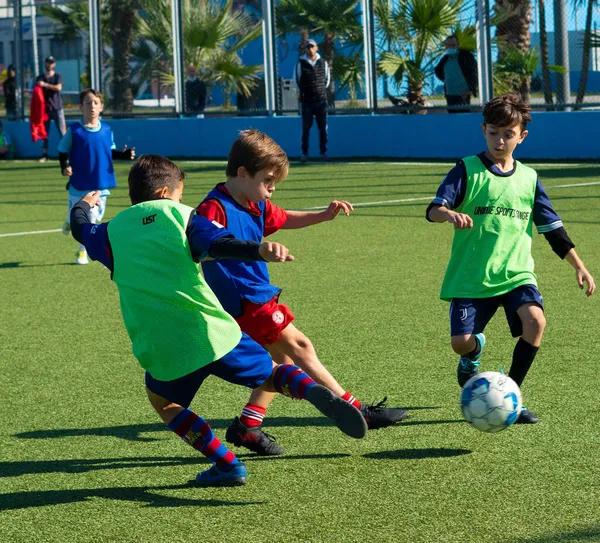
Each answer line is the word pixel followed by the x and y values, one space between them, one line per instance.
pixel 313 77
pixel 52 82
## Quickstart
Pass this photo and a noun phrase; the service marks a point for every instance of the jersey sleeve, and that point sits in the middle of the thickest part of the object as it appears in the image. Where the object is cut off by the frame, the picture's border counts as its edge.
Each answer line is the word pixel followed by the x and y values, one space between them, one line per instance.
pixel 201 234
pixel 66 142
pixel 213 211
pixel 451 191
pixel 97 245
pixel 275 218
pixel 544 216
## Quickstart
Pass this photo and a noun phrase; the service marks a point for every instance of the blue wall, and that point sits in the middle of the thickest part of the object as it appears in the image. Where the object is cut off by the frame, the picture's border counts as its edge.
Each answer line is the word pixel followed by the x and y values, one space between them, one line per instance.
pixel 553 135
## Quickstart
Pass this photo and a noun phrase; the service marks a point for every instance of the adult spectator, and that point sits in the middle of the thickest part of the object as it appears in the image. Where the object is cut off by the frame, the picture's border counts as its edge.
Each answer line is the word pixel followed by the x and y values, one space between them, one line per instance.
pixel 312 78
pixel 52 83
pixel 195 93
pixel 10 93
pixel 458 70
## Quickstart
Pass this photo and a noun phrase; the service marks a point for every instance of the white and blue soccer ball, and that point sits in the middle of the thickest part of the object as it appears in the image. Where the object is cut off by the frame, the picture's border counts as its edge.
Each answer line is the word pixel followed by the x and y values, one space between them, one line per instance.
pixel 491 401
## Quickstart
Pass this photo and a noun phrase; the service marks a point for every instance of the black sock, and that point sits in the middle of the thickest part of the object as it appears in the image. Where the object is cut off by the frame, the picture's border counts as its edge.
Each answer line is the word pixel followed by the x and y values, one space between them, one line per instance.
pixel 476 350
pixel 523 357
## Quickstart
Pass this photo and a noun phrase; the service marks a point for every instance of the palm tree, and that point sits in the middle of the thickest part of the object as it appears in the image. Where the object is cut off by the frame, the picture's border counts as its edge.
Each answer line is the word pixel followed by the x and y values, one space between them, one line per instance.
pixel 513 36
pixel 213 36
pixel 118 23
pixel 587 45
pixel 545 56
pixel 336 20
pixel 410 33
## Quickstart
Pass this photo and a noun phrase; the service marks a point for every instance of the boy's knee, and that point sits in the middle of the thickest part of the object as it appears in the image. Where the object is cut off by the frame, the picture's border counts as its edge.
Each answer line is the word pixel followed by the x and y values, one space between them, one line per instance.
pixel 535 324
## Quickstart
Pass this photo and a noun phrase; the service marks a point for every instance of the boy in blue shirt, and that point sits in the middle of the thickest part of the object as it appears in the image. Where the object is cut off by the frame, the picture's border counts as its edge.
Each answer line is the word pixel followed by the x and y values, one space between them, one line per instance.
pixel 242 205
pixel 493 201
pixel 180 334
pixel 85 154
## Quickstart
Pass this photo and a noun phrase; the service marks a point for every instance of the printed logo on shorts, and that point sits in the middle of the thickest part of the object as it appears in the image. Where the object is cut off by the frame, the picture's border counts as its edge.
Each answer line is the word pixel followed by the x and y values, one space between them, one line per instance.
pixel 463 314
pixel 217 224
pixel 278 317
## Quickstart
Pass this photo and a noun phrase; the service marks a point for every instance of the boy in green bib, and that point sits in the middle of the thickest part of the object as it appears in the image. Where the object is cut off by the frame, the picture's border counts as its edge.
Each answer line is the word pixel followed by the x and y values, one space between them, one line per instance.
pixel 493 201
pixel 180 334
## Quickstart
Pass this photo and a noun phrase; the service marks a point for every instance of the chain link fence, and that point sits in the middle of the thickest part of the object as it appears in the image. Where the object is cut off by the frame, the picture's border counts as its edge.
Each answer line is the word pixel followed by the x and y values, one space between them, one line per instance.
pixel 424 53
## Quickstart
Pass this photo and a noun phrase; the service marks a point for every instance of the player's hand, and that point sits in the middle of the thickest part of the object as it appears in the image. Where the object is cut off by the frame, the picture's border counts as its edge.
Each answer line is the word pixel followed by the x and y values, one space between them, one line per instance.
pixel 68 171
pixel 92 198
pixel 131 152
pixel 336 207
pixel 274 252
pixel 42 84
pixel 584 276
pixel 460 220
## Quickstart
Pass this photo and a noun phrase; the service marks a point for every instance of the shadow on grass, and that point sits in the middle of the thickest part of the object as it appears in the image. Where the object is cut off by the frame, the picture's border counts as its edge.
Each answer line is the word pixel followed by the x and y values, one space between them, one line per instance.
pixel 590 534
pixel 416 454
pixel 20 265
pixel 74 466
pixel 33 467
pixel 144 494
pixel 133 432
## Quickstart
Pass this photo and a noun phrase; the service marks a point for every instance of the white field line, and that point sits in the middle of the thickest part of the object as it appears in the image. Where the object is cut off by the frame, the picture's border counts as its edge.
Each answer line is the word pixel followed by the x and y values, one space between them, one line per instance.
pixel 316 208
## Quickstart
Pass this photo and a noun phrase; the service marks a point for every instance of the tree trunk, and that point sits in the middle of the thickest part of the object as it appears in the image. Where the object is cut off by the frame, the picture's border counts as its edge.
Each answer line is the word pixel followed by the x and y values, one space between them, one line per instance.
pixel 545 56
pixel 122 20
pixel 514 33
pixel 585 60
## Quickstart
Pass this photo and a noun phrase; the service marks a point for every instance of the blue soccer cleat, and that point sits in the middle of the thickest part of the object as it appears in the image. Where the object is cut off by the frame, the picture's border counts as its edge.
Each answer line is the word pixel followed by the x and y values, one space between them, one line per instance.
pixel 467 367
pixel 235 476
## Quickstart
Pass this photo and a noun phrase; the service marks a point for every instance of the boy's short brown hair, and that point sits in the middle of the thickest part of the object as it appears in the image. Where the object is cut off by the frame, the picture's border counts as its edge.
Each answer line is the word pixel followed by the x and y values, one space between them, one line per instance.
pixel 94 92
pixel 507 110
pixel 255 151
pixel 151 173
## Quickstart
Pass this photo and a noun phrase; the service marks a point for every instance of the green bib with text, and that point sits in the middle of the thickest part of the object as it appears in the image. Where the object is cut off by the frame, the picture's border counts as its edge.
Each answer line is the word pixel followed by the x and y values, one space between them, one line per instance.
pixel 493 257
pixel 174 320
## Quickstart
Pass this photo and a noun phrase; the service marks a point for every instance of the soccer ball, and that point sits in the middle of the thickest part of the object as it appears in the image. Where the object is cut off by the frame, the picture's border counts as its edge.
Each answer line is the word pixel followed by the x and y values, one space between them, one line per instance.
pixel 491 401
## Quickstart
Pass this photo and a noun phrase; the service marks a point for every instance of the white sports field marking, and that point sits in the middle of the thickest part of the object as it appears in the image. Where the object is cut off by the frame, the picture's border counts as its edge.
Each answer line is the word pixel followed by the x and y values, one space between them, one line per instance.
pixel 360 204
pixel 29 233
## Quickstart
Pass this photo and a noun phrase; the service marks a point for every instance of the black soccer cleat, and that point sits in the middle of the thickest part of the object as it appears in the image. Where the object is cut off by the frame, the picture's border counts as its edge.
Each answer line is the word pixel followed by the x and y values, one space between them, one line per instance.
pixel 380 416
pixel 346 417
pixel 527 417
pixel 253 439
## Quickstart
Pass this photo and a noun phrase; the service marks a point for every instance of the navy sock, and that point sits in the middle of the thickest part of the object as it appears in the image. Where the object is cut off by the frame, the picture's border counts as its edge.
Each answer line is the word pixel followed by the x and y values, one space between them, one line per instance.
pixel 523 357
pixel 476 350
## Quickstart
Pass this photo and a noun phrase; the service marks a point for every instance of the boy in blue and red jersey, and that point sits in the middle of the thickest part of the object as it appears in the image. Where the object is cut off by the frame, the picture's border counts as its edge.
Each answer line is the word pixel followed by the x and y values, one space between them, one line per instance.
pixel 179 332
pixel 255 165
pixel 86 153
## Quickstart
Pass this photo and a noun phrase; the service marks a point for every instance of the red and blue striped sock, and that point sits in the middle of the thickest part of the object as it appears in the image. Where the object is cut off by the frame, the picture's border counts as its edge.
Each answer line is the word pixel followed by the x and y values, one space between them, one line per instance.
pixel 195 431
pixel 291 381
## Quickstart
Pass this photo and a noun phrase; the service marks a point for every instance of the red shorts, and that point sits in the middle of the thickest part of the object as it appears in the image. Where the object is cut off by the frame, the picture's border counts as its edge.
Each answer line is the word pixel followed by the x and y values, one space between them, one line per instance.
pixel 264 322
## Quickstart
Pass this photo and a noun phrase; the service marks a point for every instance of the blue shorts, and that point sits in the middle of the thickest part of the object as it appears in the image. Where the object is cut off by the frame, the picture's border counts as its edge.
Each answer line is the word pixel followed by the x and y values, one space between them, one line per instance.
pixel 471 315
pixel 248 364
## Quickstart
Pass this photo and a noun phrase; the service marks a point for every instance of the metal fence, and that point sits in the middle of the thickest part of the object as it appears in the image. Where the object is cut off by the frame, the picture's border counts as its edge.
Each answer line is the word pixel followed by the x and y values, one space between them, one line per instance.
pixel 240 57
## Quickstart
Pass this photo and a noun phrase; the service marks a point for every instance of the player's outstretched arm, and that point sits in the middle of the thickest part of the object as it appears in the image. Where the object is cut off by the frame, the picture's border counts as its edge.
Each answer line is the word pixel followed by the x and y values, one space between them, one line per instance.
pixel 582 275
pixel 443 214
pixel 302 219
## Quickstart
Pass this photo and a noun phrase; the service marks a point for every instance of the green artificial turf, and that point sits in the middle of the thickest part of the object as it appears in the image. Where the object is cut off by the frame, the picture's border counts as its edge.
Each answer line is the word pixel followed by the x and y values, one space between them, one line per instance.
pixel 83 457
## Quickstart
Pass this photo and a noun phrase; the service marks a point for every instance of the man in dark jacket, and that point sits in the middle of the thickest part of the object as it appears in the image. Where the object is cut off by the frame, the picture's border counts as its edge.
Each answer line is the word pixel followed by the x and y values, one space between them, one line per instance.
pixel 195 93
pixel 458 70
pixel 313 77
pixel 10 93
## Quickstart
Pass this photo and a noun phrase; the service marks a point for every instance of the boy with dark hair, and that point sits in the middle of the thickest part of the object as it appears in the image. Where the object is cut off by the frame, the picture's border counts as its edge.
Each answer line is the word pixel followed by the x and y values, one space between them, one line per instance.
pixel 493 201
pixel 51 83
pixel 86 155
pixel 179 331
pixel 255 165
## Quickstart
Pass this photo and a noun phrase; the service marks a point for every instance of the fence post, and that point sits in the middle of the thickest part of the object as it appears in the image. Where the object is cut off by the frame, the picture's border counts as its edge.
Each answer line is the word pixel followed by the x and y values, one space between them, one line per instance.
pixel 369 50
pixel 268 23
pixel 561 52
pixel 484 53
pixel 95 46
pixel 176 18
